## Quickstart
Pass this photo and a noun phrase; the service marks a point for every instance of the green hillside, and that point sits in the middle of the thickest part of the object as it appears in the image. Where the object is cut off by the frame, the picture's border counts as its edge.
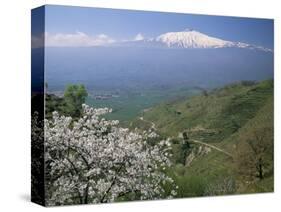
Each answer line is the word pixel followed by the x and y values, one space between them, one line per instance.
pixel 236 119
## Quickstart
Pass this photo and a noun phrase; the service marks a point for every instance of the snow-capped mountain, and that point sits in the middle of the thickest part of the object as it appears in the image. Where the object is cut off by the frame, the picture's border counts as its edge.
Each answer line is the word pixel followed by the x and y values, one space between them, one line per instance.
pixel 193 39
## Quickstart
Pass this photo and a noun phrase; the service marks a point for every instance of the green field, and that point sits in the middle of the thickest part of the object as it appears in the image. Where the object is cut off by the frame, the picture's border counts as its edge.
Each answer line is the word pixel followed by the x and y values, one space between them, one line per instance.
pixel 130 104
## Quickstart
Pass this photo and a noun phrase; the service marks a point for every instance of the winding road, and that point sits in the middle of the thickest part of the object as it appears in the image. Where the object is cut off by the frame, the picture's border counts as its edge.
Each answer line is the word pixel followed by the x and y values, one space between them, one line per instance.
pixel 153 126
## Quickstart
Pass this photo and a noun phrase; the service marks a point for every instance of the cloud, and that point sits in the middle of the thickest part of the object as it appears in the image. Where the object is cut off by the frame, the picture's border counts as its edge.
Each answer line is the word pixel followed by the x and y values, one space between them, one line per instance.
pixel 77 39
pixel 138 37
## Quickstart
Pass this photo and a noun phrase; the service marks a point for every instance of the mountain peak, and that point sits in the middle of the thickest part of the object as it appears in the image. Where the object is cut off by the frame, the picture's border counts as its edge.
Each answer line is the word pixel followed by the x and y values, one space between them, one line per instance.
pixel 189 38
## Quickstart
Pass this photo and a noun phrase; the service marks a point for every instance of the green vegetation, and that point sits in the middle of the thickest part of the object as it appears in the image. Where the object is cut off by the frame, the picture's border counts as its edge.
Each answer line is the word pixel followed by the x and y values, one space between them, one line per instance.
pixel 70 104
pixel 213 117
pixel 74 97
pixel 222 140
pixel 131 103
pixel 237 119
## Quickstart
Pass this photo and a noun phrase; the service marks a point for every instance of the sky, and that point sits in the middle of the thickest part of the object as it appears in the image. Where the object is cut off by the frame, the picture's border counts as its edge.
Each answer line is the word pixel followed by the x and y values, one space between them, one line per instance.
pixel 95 26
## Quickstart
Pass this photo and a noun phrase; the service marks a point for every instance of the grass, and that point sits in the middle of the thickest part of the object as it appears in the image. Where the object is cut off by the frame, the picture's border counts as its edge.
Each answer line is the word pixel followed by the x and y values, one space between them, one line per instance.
pixel 218 115
pixel 224 118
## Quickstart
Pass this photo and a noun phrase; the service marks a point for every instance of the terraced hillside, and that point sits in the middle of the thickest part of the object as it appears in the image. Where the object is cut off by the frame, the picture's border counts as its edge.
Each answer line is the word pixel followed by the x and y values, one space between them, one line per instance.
pixel 237 119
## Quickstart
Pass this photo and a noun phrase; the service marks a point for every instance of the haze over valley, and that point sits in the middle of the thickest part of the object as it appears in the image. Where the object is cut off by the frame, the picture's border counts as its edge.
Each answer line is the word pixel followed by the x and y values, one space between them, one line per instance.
pixel 147 73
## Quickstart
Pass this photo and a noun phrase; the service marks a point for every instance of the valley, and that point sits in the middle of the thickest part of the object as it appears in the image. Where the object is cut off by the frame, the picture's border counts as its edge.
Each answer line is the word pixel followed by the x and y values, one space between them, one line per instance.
pixel 218 127
pixel 209 131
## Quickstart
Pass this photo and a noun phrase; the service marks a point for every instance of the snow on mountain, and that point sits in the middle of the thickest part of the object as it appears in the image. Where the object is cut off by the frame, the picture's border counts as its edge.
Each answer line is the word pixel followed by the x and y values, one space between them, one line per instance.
pixel 194 39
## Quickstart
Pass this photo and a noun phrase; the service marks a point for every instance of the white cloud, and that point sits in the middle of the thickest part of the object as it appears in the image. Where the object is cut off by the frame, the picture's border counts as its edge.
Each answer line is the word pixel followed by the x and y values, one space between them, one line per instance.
pixel 138 37
pixel 77 39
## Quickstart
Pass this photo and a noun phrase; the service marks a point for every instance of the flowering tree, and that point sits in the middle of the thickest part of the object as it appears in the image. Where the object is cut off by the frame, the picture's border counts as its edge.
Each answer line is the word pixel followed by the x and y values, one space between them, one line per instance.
pixel 37 158
pixel 92 160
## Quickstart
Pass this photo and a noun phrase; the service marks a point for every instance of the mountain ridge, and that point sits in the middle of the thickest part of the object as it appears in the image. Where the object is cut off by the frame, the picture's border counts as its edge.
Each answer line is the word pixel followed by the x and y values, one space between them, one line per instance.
pixel 190 39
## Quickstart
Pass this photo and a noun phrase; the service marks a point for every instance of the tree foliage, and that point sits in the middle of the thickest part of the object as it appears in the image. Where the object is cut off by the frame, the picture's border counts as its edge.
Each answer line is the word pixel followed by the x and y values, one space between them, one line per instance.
pixel 93 160
pixel 74 97
pixel 255 155
pixel 37 158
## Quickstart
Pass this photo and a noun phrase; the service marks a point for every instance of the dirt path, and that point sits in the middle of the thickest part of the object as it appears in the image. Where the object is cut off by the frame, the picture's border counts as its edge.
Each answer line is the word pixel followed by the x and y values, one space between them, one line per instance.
pixel 212 147
pixel 193 141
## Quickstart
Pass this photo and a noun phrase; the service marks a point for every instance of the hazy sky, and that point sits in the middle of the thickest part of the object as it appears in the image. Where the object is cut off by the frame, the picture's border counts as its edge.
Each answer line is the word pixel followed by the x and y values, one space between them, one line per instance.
pixel 108 25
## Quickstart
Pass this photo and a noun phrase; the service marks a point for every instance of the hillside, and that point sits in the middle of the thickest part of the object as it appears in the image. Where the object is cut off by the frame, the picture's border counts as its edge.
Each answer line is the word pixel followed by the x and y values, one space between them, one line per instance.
pixel 231 119
pixel 212 116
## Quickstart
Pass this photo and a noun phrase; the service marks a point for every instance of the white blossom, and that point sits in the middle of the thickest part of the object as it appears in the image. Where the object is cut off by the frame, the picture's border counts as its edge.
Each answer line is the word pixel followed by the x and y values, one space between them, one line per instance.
pixel 93 160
